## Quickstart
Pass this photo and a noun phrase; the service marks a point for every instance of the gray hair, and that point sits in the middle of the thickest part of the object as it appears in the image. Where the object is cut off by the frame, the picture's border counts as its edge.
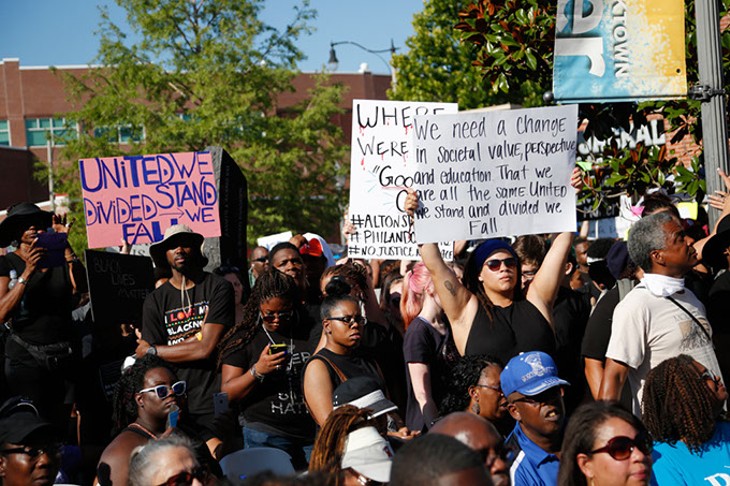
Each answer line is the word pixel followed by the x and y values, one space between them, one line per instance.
pixel 647 235
pixel 143 464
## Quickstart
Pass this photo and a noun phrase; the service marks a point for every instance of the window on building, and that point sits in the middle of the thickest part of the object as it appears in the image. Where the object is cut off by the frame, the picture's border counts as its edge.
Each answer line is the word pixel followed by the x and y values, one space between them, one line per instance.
pixel 58 130
pixel 120 134
pixel 4 133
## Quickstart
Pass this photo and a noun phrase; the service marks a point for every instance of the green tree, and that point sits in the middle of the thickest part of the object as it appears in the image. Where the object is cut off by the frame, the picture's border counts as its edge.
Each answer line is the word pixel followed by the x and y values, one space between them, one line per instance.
pixel 212 73
pixel 437 65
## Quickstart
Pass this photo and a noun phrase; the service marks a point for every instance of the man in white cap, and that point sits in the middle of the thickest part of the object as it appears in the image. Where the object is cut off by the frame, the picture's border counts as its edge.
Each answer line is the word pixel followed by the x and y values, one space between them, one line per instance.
pixel 184 320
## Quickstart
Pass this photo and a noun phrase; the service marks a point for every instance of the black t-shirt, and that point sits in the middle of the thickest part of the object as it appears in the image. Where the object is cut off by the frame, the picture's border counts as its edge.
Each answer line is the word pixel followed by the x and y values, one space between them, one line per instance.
pixel 276 405
pixel 421 344
pixel 170 318
pixel 517 328
pixel 598 329
pixel 570 314
pixel 43 315
pixel 718 310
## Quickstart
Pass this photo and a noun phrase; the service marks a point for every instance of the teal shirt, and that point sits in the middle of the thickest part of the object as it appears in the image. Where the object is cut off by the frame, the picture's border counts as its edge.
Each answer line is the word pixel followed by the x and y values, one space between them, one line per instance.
pixel 676 465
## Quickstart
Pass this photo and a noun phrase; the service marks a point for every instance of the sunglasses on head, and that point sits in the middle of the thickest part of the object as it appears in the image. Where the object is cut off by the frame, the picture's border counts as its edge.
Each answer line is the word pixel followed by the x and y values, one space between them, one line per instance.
pixel 621 447
pixel 185 478
pixel 164 391
pixel 273 316
pixel 495 264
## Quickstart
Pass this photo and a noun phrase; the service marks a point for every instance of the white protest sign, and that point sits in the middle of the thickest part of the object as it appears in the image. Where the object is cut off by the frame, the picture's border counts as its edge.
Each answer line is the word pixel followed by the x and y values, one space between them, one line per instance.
pixel 381 169
pixel 499 173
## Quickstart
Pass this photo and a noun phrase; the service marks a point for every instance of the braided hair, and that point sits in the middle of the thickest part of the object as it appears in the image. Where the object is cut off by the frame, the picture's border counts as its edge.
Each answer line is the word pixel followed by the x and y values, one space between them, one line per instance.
pixel 124 406
pixel 329 447
pixel 678 405
pixel 269 285
pixel 464 375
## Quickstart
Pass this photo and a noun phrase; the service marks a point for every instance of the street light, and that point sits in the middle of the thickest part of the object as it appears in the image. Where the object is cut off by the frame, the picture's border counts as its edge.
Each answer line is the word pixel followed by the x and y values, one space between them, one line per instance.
pixel 334 62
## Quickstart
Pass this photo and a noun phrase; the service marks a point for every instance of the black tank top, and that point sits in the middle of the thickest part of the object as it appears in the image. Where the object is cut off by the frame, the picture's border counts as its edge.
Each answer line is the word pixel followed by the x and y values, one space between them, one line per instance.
pixel 514 329
pixel 351 366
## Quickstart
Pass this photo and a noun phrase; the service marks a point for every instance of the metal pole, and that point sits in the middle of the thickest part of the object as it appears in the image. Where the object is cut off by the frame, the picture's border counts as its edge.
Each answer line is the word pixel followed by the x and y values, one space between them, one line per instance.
pixel 51 189
pixel 711 92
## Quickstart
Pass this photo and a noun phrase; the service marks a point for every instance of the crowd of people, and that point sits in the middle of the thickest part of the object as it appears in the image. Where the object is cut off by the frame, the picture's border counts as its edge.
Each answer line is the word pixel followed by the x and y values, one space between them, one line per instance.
pixel 538 360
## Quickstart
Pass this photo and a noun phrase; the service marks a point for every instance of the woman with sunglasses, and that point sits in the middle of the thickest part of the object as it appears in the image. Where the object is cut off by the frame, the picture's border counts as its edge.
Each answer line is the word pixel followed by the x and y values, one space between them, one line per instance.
pixel 683 408
pixel 146 397
pixel 489 314
pixel 342 324
pixel 262 358
pixel 605 445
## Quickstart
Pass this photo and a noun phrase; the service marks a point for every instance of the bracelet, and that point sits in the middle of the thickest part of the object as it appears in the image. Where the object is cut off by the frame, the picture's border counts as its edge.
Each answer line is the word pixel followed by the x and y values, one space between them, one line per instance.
pixel 22 281
pixel 256 374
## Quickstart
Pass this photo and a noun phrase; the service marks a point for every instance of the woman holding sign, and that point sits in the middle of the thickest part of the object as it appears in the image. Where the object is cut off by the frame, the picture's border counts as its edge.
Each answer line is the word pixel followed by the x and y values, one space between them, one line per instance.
pixel 488 313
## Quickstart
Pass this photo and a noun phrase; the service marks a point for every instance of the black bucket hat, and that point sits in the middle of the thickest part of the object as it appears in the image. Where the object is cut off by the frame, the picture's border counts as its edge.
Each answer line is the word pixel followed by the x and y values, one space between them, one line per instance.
pixel 20 217
pixel 714 249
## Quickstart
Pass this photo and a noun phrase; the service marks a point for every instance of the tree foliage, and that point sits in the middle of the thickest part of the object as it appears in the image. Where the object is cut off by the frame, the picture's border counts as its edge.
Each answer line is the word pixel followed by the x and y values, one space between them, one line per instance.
pixel 212 73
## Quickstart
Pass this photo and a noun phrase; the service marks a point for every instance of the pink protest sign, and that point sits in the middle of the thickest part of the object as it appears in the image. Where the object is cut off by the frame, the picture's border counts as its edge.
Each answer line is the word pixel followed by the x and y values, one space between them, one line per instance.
pixel 137 197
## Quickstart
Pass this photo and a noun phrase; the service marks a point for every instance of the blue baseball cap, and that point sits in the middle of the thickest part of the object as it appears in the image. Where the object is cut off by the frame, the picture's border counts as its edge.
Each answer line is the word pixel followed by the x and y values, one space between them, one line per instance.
pixel 530 373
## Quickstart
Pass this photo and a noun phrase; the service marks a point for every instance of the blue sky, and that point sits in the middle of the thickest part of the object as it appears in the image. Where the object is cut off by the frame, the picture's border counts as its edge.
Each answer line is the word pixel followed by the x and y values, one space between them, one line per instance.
pixel 62 32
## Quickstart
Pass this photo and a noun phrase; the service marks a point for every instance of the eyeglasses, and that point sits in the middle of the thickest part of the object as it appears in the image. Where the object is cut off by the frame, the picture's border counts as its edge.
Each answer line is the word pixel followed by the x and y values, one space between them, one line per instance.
pixel 33 453
pixel 185 478
pixel 708 375
pixel 491 387
pixel 164 391
pixel 548 396
pixel 621 447
pixel 349 319
pixel 277 316
pixel 496 263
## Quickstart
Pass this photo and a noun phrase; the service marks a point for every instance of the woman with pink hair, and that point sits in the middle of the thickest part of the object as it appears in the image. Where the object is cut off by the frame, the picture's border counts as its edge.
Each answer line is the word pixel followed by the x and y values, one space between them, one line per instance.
pixel 425 338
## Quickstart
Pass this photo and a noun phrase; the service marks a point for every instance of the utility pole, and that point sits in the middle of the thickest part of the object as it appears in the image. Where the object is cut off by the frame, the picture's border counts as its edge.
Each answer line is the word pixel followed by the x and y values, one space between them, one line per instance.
pixel 710 92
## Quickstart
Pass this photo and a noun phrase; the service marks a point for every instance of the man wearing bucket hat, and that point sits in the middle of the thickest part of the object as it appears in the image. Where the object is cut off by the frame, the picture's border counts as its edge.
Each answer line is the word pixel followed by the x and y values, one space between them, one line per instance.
pixel 535 400
pixel 184 320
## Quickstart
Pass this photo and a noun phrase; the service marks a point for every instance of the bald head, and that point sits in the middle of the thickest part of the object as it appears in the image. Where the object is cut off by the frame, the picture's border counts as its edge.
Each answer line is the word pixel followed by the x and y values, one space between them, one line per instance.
pixel 480 435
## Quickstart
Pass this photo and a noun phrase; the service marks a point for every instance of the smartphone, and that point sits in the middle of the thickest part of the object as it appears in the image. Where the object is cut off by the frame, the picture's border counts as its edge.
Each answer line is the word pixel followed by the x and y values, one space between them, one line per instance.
pixel 220 403
pixel 173 417
pixel 277 348
pixel 55 245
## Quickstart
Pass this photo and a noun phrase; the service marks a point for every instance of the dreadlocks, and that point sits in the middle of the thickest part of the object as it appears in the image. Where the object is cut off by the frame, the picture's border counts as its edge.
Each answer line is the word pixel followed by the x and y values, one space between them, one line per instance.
pixel 124 407
pixel 677 404
pixel 329 447
pixel 269 285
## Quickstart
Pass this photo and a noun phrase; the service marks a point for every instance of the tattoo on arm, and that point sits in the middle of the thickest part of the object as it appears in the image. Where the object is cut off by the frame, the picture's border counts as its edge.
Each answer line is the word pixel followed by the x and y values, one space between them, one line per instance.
pixel 450 287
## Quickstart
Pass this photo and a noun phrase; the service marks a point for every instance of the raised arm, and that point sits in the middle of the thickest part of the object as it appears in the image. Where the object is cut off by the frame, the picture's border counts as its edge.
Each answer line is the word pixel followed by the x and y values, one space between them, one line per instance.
pixel 544 288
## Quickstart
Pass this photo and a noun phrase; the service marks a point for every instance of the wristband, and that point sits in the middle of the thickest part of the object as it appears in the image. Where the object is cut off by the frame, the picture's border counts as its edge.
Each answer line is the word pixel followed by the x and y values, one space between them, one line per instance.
pixel 256 374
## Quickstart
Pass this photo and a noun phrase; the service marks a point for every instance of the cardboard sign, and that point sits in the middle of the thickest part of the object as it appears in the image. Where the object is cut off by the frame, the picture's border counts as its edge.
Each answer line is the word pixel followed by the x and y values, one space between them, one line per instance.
pixel 381 169
pixel 499 173
pixel 118 285
pixel 137 197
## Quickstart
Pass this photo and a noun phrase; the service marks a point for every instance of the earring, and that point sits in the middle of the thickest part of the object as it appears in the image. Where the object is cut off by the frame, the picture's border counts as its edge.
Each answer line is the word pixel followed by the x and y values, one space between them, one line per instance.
pixel 475 408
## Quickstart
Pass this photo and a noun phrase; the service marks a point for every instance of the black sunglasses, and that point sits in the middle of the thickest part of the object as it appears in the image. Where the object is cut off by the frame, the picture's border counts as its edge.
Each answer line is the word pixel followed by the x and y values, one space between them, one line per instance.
pixel 348 319
pixel 274 316
pixel 260 259
pixel 495 263
pixel 185 478
pixel 33 453
pixel 621 447
pixel 164 391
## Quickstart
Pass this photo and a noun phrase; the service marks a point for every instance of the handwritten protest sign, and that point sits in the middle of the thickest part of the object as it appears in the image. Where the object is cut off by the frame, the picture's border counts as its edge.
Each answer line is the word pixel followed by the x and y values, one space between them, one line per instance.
pixel 381 169
pixel 136 197
pixel 500 173
pixel 118 285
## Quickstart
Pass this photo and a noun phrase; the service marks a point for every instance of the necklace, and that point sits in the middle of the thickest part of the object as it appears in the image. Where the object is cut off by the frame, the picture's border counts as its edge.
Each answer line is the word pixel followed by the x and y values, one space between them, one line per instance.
pixel 184 293
pixel 143 429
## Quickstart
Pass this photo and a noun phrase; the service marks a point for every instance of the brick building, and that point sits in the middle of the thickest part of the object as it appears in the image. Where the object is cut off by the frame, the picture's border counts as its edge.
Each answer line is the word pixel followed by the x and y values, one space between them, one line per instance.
pixel 33 103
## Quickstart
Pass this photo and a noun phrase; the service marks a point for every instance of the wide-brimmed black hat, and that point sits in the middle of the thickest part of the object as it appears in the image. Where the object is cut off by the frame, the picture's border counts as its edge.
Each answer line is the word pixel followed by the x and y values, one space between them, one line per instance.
pixel 173 235
pixel 20 217
pixel 713 251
